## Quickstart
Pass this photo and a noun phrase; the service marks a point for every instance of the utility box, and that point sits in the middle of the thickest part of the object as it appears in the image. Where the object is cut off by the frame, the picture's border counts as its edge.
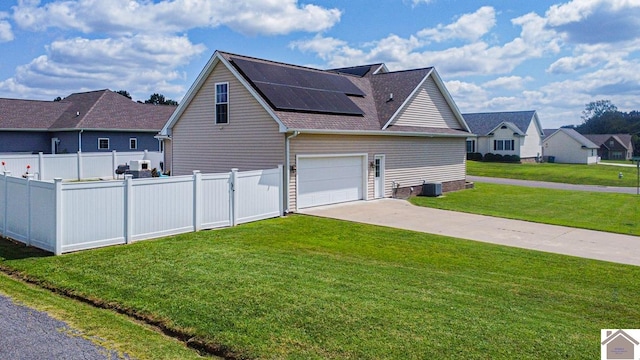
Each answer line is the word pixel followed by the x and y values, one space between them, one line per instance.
pixel 431 189
pixel 139 165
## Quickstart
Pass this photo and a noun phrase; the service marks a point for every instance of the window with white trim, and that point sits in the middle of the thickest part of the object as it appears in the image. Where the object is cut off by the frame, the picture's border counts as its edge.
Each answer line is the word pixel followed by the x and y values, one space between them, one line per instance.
pixel 133 143
pixel 222 103
pixel 503 145
pixel 103 143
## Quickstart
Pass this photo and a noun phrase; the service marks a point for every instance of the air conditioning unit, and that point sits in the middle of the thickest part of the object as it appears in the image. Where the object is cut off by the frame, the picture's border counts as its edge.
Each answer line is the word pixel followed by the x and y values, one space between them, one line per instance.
pixel 431 189
pixel 139 165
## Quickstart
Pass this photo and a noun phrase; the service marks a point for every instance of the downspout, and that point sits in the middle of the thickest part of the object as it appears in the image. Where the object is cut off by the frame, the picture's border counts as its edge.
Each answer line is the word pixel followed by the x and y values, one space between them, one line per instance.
pixel 288 166
pixel 80 140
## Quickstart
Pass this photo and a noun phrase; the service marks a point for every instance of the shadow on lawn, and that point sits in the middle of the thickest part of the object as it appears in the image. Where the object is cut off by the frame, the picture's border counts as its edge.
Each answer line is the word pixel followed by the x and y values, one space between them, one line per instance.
pixel 12 250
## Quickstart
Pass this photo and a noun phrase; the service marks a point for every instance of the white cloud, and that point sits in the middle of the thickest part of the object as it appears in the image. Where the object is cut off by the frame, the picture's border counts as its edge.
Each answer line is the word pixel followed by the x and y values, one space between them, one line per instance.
pixel 140 64
pixel 418 2
pixel 322 46
pixel 596 21
pixel 476 57
pixel 572 64
pixel 468 26
pixel 6 33
pixel 508 82
pixel 129 16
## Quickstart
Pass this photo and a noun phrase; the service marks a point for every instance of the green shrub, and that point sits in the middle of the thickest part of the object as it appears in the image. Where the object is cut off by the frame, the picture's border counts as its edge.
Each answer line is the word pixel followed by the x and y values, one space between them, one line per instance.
pixel 476 156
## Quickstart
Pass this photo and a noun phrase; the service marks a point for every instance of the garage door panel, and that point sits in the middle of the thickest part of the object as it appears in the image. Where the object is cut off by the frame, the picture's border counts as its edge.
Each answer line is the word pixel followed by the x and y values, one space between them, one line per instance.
pixel 329 180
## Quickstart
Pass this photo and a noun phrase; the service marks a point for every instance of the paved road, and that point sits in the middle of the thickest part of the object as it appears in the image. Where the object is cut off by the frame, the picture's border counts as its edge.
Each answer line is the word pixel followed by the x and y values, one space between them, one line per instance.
pixel 624 249
pixel 552 185
pixel 27 334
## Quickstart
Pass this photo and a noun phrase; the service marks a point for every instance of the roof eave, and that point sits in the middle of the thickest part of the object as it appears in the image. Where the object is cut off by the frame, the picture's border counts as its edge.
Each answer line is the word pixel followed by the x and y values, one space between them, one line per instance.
pixel 376 132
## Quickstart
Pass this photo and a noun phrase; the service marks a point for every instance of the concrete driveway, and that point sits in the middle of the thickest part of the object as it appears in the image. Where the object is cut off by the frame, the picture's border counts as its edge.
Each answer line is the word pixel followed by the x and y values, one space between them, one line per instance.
pixel 624 249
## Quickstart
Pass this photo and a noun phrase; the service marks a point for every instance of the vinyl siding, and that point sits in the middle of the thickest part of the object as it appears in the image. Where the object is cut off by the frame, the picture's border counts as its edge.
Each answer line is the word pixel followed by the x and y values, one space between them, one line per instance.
pixel 567 150
pixel 428 108
pixel 408 160
pixel 250 140
pixel 532 143
pixel 168 156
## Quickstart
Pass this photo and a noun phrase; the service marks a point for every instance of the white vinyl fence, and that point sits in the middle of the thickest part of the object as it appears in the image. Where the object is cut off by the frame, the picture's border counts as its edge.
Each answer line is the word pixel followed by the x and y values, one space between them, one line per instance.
pixel 62 217
pixel 78 166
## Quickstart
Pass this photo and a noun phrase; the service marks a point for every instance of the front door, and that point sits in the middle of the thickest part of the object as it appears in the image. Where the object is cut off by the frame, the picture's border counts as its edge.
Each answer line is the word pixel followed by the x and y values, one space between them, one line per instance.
pixel 378 183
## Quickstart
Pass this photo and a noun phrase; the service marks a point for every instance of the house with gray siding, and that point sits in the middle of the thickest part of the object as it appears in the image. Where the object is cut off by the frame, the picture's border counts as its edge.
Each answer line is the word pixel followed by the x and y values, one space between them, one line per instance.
pixel 506 133
pixel 94 121
pixel 344 134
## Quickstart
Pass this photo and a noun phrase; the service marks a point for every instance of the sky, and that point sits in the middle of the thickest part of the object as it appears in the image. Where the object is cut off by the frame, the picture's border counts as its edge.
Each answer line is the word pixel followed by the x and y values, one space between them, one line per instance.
pixel 493 55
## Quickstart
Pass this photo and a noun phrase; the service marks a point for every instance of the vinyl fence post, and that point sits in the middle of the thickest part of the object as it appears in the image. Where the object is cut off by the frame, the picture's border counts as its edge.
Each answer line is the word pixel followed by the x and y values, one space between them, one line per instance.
pixel 114 164
pixel 29 177
pixel 6 202
pixel 5 205
pixel 79 165
pixel 197 194
pixel 281 188
pixel 234 196
pixel 40 166
pixel 128 208
pixel 58 216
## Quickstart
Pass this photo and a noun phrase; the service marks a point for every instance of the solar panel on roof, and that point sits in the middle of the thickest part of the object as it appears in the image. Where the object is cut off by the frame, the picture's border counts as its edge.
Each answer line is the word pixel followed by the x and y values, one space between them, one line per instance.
pixel 297 77
pixel 357 70
pixel 285 97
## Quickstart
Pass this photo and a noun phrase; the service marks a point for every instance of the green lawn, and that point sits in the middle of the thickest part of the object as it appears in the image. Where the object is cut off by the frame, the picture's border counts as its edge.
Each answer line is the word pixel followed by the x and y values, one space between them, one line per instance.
pixel 605 175
pixel 309 288
pixel 619 213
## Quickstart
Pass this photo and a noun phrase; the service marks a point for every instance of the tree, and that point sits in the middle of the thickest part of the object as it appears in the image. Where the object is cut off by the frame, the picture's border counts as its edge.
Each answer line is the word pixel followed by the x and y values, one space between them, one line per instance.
pixel 597 109
pixel 159 99
pixel 124 93
pixel 603 117
pixel 58 99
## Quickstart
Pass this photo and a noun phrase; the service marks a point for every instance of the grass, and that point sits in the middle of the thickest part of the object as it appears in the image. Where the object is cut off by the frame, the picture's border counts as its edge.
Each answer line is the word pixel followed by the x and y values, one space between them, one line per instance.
pixel 105 328
pixel 604 175
pixel 310 288
pixel 618 213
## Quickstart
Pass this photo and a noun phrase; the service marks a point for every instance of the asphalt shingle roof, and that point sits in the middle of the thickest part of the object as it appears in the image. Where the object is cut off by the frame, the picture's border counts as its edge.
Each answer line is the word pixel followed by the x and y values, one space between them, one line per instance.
pixel 376 107
pixel 93 110
pixel 577 137
pixel 600 139
pixel 483 123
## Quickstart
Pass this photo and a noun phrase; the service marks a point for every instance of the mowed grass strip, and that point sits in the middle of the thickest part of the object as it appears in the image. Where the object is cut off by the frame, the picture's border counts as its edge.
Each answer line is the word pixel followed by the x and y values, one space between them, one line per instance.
pixel 312 288
pixel 114 332
pixel 618 213
pixel 604 175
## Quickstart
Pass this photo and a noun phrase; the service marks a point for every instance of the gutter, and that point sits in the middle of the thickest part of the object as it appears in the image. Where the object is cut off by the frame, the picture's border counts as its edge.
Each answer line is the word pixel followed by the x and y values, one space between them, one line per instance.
pixel 288 166
pixel 80 140
pixel 381 133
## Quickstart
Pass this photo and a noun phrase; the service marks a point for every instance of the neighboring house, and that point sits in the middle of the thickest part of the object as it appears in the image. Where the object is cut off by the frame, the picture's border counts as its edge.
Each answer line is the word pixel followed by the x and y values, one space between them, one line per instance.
pixel 613 146
pixel 506 133
pixel 92 121
pixel 568 146
pixel 343 134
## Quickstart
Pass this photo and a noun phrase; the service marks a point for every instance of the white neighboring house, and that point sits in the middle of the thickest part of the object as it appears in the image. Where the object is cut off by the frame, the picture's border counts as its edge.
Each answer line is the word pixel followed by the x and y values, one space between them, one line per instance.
pixel 570 147
pixel 506 133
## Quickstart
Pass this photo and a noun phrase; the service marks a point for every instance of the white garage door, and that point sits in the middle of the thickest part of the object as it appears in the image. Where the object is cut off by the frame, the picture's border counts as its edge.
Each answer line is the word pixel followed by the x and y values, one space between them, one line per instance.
pixel 329 180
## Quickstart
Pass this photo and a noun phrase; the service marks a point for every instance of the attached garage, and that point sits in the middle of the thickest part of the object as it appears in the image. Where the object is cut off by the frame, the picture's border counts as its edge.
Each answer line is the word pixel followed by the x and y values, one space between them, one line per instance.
pixel 324 180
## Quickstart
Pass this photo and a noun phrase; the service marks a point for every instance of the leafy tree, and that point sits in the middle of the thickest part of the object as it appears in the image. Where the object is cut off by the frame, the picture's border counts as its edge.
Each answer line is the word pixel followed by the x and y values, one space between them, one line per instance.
pixel 124 93
pixel 58 99
pixel 598 108
pixel 159 99
pixel 603 117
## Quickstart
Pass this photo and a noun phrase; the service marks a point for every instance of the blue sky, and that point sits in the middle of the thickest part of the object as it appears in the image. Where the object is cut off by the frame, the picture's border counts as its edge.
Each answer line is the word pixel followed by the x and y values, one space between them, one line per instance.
pixel 502 55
